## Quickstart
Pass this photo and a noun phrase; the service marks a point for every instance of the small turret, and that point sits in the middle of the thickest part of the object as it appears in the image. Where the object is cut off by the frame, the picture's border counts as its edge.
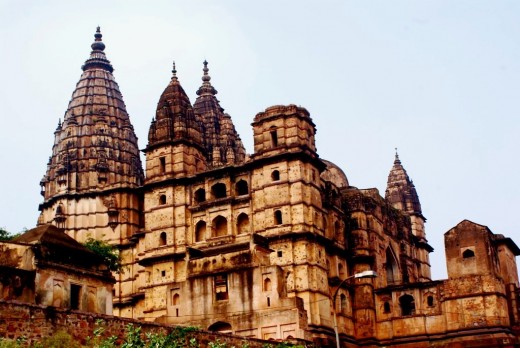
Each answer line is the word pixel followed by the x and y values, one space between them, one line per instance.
pixel 175 138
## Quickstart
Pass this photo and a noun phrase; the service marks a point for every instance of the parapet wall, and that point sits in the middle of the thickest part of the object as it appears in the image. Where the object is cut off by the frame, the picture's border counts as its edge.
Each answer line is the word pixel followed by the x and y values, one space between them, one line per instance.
pixel 35 322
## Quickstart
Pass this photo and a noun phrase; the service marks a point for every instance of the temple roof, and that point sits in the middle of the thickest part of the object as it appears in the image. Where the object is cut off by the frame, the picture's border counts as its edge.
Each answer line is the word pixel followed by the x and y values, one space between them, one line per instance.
pixel 95 146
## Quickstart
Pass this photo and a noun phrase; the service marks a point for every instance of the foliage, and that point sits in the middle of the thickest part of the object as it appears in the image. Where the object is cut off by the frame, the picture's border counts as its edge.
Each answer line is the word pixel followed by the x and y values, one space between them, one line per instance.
pixel 7 236
pixel 4 343
pixel 60 339
pixel 98 341
pixel 134 337
pixel 109 253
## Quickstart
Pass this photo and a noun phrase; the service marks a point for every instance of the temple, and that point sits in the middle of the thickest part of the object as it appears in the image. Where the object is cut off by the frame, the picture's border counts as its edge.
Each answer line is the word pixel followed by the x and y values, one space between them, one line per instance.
pixel 272 244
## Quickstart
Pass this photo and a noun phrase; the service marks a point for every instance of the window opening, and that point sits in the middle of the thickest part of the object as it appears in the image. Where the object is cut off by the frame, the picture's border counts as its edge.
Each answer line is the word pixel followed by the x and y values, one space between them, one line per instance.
pixel 278 217
pixel 162 239
pixel 200 231
pixel 220 226
pixel 407 304
pixel 221 287
pixel 162 164
pixel 267 284
pixel 430 301
pixel 386 307
pixel 200 195
pixel 162 199
pixel 219 190
pixel 468 253
pixel 75 292
pixel 242 223
pixel 275 175
pixel 241 188
pixel 274 138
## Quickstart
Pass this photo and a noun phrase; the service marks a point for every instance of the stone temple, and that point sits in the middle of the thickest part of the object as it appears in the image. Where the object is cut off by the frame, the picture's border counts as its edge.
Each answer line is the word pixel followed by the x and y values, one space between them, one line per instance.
pixel 270 244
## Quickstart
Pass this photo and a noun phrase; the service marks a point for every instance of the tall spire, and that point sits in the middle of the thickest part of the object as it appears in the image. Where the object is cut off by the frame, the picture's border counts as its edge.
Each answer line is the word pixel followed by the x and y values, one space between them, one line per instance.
pixel 95 144
pixel 400 190
pixel 97 57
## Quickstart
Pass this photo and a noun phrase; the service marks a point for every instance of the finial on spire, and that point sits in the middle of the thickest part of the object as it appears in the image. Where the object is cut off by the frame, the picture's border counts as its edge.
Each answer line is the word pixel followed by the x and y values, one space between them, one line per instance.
pixel 206 77
pixel 174 72
pixel 98 45
pixel 397 160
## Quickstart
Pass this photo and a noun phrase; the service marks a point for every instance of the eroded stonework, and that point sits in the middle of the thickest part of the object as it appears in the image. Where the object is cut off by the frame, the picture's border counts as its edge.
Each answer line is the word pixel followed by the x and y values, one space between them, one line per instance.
pixel 257 245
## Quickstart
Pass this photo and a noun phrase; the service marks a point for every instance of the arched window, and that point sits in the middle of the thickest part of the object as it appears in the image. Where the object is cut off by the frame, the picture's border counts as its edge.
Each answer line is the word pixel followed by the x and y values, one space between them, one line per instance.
pixel 267 284
pixel 392 270
pixel 220 228
pixel 430 301
pixel 342 303
pixel 218 190
pixel 468 253
pixel 242 223
pixel 200 231
pixel 407 304
pixel 162 199
pixel 386 307
pixel 278 217
pixel 162 239
pixel 175 300
pixel 241 188
pixel 275 175
pixel 200 195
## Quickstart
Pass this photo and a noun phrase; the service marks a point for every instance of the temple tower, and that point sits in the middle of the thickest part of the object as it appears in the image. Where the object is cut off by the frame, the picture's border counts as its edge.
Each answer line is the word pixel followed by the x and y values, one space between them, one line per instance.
pixel 90 186
pixel 402 195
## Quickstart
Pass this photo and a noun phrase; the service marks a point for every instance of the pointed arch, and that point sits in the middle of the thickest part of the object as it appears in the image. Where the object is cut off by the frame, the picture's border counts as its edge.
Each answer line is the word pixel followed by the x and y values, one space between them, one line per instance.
pixel 242 223
pixel 200 231
pixel 220 227
pixel 392 267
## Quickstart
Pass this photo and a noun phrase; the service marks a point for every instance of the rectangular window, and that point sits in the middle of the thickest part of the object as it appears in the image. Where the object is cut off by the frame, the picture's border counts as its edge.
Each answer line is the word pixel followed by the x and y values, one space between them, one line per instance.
pixel 221 287
pixel 162 161
pixel 75 296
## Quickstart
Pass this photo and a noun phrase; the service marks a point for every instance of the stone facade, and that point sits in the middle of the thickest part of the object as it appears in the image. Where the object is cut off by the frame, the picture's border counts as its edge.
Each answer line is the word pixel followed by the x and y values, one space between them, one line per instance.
pixel 44 266
pixel 256 245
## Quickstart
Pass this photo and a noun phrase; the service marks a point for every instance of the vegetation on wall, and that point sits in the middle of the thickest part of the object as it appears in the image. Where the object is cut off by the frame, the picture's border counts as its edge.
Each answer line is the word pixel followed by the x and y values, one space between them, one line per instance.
pixel 134 337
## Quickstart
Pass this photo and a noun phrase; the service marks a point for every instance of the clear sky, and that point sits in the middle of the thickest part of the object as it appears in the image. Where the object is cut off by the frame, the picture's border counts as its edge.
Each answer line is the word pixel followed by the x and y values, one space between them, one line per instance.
pixel 439 80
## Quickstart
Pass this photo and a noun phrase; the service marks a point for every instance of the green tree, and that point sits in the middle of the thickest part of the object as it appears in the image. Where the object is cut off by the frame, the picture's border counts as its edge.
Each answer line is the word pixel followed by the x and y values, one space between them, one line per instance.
pixel 109 253
pixel 7 236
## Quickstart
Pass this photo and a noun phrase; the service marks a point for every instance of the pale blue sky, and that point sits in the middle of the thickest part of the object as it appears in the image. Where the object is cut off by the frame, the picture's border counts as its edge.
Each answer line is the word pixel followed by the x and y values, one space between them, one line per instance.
pixel 440 80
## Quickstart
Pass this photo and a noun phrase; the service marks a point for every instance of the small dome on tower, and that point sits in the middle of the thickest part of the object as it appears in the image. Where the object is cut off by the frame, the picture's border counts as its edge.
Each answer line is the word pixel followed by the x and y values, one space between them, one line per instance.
pixel 334 174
